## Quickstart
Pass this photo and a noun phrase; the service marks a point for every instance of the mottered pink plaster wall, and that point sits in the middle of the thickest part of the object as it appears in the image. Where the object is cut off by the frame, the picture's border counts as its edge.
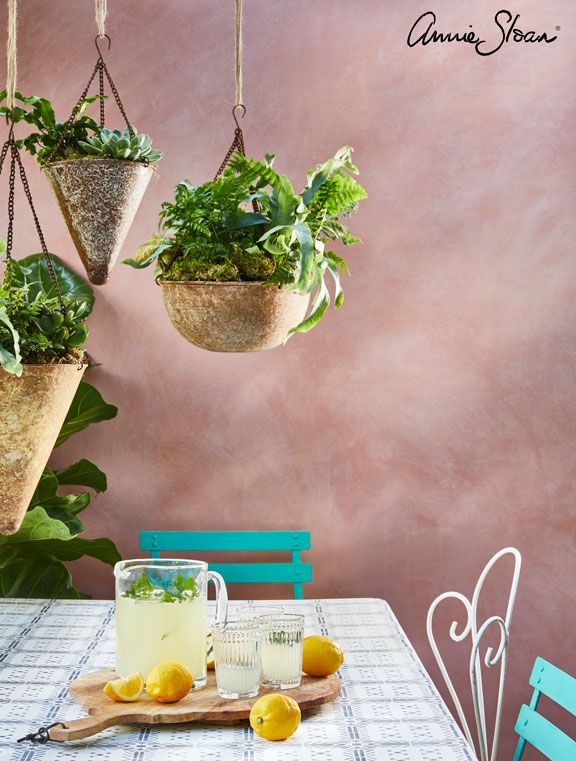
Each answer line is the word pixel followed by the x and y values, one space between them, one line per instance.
pixel 432 421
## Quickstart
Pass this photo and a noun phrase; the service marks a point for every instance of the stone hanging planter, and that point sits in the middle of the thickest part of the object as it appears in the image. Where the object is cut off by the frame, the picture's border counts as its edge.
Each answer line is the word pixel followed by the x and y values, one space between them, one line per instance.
pixel 98 199
pixel 32 411
pixel 233 316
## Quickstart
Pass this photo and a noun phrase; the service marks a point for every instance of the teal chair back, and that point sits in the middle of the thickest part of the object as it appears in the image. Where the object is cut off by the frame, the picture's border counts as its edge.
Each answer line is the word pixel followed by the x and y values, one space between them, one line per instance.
pixel 533 728
pixel 295 572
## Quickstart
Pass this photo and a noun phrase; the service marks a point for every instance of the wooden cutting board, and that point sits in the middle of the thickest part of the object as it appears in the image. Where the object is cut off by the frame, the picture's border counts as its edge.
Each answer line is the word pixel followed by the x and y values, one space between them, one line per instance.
pixel 203 705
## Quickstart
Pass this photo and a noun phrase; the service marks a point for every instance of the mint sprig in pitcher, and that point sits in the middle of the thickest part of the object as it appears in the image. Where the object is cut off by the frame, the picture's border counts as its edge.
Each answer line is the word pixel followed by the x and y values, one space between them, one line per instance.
pixel 161 614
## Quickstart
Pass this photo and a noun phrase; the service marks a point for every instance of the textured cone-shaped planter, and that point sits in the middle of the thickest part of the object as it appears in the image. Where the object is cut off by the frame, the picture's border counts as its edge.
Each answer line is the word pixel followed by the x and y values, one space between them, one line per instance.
pixel 98 199
pixel 32 410
pixel 233 316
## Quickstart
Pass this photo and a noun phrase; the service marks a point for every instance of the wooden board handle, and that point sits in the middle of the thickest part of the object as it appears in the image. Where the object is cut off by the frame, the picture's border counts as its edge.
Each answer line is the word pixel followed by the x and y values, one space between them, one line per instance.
pixel 77 729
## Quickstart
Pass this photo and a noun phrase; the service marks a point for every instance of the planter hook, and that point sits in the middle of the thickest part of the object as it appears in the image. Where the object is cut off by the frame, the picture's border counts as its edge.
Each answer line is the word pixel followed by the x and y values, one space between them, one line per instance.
pixel 243 107
pixel 97 40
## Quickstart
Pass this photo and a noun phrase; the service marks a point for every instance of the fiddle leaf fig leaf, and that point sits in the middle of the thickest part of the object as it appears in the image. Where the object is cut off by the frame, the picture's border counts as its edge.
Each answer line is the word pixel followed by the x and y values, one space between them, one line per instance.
pixel 87 407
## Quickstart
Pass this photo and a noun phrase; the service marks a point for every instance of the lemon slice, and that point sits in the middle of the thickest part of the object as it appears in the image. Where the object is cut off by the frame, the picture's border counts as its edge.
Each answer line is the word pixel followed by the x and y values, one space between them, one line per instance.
pixel 125 690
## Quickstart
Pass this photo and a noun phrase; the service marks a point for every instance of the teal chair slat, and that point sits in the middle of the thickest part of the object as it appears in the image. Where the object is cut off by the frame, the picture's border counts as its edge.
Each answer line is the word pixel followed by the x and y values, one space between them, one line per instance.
pixel 536 730
pixel 295 573
pixel 555 684
pixel 267 573
pixel 223 541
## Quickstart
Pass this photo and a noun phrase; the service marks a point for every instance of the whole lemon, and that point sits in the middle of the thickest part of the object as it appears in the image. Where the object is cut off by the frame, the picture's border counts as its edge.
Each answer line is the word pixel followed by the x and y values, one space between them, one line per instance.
pixel 275 716
pixel 169 682
pixel 321 656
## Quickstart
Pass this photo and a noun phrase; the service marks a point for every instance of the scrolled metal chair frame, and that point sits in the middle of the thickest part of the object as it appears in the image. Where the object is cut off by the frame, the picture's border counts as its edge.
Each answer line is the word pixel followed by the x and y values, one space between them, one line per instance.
pixel 492 657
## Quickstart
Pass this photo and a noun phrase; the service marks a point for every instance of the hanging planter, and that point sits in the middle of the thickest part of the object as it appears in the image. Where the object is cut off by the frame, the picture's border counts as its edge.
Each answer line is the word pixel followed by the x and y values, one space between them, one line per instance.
pixel 98 176
pixel 98 199
pixel 239 257
pixel 43 306
pixel 233 317
pixel 34 407
pixel 236 279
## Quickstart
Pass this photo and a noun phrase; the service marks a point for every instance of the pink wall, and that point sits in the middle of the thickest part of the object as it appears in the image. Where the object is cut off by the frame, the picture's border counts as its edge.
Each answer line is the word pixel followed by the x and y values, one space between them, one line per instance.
pixel 431 421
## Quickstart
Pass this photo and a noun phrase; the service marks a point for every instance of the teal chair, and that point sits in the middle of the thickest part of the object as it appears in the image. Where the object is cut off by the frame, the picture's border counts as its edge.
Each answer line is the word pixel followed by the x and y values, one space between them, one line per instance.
pixel 534 728
pixel 295 573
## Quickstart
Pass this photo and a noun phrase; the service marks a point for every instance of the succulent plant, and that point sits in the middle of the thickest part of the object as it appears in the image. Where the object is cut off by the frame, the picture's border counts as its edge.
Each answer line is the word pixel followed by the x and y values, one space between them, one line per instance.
pixel 111 143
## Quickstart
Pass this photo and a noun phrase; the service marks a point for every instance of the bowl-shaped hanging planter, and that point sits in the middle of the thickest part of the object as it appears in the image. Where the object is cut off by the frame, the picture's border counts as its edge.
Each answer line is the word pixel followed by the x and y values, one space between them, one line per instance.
pixel 32 411
pixel 233 316
pixel 98 199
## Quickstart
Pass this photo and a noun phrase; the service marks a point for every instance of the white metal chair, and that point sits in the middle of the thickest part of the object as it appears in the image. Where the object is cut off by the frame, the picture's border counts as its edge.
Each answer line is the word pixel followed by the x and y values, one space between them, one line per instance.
pixel 475 633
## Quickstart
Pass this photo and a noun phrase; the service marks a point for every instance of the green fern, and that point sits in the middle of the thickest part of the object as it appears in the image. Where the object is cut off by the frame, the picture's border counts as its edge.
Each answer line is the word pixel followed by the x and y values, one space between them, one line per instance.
pixel 212 231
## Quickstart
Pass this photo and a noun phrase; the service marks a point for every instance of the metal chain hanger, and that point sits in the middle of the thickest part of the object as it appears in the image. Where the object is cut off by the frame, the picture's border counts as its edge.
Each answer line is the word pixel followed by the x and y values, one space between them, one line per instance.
pixel 11 146
pixel 101 69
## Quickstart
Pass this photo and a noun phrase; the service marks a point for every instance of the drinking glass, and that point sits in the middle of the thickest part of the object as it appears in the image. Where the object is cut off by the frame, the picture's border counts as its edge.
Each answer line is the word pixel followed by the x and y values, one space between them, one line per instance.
pixel 282 650
pixel 237 658
pixel 161 614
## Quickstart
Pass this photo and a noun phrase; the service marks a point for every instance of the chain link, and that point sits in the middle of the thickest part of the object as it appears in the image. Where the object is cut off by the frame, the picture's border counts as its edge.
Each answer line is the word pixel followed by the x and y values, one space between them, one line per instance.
pixel 75 110
pixel 11 193
pixel 117 99
pixel 237 146
pixel 101 91
pixel 15 160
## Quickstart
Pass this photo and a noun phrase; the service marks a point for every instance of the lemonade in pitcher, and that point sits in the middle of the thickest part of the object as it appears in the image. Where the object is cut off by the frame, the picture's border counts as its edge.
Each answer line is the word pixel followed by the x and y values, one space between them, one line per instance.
pixel 161 615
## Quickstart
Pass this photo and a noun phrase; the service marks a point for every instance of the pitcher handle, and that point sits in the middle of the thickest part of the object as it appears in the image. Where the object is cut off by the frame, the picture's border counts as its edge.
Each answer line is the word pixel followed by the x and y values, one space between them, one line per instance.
pixel 221 597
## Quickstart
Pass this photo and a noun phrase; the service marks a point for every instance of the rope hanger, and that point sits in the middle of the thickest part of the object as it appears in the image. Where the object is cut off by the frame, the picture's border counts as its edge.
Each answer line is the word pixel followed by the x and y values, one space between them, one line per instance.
pixel 15 159
pixel 238 142
pixel 100 68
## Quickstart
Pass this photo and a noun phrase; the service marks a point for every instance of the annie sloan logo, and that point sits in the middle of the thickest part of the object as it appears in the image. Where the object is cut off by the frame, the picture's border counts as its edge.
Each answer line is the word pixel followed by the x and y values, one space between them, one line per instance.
pixel 506 29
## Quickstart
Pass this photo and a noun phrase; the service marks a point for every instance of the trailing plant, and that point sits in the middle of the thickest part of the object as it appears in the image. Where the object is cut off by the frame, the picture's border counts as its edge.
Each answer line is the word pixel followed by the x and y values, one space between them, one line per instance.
pixel 210 232
pixel 33 328
pixel 32 561
pixel 81 138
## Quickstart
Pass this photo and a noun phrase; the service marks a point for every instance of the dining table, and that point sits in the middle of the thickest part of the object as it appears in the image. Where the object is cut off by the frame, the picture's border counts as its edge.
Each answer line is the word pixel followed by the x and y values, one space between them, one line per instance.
pixel 388 708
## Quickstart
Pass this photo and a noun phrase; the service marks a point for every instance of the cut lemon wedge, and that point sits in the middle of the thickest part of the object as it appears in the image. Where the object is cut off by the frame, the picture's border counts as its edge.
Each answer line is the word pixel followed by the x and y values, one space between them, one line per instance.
pixel 125 690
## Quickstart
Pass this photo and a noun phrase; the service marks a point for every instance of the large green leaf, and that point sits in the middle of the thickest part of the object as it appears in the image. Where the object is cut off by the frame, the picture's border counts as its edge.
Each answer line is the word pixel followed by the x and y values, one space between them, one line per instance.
pixel 33 272
pixel 82 473
pixel 46 489
pixel 40 576
pixel 87 407
pixel 71 521
pixel 72 549
pixel 36 526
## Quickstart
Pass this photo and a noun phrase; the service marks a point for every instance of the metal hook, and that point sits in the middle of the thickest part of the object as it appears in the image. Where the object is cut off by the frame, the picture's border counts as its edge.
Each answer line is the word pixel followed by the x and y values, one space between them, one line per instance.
pixel 97 39
pixel 243 107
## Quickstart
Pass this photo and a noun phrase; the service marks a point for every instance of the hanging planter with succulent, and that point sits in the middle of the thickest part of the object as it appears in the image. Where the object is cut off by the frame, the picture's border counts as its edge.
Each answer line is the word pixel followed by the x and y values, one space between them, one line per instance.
pixel 98 176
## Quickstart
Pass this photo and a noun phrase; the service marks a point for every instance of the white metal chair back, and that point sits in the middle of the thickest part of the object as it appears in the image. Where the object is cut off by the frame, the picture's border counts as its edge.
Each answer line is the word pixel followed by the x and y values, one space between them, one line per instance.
pixel 491 658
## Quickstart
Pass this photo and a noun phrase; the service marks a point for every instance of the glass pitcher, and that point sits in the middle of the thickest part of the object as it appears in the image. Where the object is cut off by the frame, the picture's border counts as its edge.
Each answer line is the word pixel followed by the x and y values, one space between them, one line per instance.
pixel 161 614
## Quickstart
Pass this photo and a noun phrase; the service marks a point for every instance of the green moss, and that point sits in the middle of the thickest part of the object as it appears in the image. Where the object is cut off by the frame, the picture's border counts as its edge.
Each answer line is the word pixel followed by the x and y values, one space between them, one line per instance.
pixel 253 264
pixel 216 262
pixel 193 269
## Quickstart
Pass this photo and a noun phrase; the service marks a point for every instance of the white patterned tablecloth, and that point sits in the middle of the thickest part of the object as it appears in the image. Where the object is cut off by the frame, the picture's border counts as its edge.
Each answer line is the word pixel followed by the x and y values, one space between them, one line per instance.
pixel 389 709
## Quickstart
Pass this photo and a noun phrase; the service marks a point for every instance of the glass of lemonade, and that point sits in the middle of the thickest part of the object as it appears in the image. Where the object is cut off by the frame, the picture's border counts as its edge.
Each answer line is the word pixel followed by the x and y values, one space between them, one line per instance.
pixel 161 614
pixel 282 650
pixel 237 658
